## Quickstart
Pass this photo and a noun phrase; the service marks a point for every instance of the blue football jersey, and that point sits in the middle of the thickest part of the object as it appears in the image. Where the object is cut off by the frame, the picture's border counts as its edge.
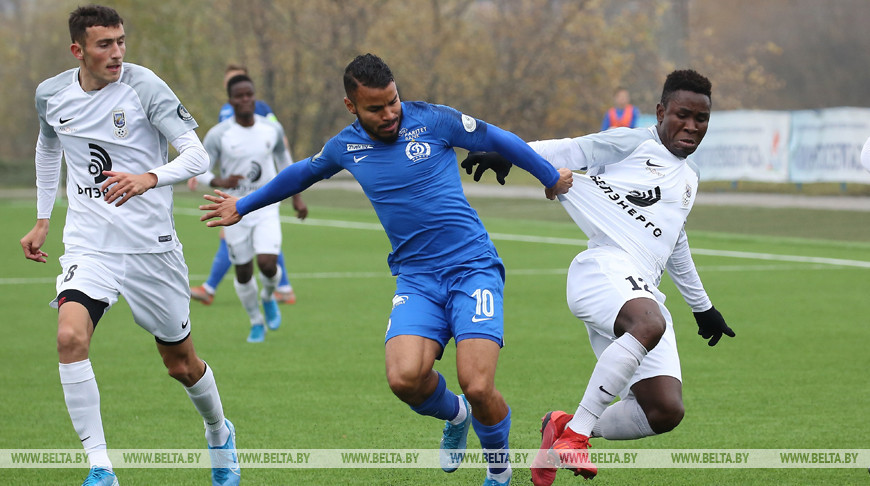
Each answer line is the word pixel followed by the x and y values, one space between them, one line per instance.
pixel 414 185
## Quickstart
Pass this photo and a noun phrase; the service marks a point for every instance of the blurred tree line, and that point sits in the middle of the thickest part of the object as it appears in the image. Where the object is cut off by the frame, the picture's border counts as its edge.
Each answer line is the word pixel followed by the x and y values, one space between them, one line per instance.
pixel 541 68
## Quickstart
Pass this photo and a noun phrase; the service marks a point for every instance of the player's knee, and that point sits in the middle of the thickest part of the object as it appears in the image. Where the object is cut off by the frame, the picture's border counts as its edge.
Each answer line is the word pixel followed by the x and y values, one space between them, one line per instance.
pixel 70 341
pixel 182 372
pixel 478 391
pixel 406 386
pixel 268 264
pixel 665 418
pixel 647 329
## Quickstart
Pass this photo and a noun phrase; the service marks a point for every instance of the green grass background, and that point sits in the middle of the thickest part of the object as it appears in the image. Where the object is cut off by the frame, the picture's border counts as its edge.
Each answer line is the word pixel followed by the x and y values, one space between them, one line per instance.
pixel 796 375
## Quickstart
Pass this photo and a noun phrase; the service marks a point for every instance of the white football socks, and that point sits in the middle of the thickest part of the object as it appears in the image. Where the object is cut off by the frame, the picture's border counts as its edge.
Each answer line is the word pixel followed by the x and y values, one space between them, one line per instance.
pixel 614 370
pixel 624 420
pixel 207 401
pixel 270 284
pixel 461 415
pixel 247 293
pixel 83 404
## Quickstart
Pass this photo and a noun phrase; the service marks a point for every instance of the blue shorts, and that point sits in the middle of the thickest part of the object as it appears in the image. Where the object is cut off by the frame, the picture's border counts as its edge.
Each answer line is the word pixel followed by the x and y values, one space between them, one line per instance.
pixel 461 302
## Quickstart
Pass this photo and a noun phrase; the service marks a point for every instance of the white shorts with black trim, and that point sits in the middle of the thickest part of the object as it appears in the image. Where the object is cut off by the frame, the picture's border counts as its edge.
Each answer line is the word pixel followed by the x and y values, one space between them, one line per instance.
pixel 155 286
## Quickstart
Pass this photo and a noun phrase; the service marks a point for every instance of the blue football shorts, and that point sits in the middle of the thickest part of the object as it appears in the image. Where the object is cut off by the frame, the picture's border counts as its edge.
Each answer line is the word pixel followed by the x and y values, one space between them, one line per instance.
pixel 459 302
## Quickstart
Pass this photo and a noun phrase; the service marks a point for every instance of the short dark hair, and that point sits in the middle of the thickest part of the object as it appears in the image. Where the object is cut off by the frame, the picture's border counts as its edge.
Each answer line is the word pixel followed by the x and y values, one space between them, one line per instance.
pixel 89 16
pixel 238 78
pixel 368 70
pixel 685 80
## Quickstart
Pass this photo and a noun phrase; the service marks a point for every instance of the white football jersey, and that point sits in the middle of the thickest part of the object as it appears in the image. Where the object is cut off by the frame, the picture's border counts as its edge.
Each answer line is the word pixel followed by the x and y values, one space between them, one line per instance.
pixel 253 152
pixel 635 194
pixel 123 127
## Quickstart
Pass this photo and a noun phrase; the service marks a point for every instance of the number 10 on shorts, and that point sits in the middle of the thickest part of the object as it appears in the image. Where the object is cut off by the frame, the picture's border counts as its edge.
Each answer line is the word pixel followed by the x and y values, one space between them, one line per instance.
pixel 485 307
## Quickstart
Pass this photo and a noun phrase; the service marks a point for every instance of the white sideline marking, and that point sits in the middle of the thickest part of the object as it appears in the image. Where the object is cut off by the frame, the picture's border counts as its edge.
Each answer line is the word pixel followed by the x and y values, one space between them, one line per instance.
pixel 522 271
pixel 820 262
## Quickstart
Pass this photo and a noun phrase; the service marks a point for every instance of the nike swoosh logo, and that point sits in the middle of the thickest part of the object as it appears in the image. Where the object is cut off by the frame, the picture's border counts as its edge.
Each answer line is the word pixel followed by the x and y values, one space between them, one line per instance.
pixel 86 438
pixel 649 164
pixel 62 121
pixel 357 159
pixel 184 326
pixel 480 319
pixel 605 391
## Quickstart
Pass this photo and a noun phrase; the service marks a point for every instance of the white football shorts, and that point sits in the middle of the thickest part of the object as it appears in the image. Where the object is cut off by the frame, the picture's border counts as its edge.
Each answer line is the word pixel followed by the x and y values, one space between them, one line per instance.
pixel 258 233
pixel 155 286
pixel 600 281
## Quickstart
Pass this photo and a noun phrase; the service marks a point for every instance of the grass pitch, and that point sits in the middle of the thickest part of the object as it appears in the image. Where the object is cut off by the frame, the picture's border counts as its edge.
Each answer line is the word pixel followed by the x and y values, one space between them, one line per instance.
pixel 795 377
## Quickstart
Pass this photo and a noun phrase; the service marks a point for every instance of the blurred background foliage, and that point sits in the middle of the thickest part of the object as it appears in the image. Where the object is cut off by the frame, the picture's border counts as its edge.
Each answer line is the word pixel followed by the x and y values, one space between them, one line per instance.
pixel 541 68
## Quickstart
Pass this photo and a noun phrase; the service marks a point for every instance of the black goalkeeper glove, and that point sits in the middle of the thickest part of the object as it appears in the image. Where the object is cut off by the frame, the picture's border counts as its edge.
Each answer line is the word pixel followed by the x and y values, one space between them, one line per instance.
pixel 487 160
pixel 711 325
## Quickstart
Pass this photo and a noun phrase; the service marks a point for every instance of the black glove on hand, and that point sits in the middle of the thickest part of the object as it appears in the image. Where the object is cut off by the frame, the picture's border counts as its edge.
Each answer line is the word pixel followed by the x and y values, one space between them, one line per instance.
pixel 487 160
pixel 711 325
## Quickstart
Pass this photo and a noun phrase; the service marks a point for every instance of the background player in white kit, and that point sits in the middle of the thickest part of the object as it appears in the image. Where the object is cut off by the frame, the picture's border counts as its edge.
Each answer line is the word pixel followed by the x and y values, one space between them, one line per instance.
pixel 111 122
pixel 250 145
pixel 632 203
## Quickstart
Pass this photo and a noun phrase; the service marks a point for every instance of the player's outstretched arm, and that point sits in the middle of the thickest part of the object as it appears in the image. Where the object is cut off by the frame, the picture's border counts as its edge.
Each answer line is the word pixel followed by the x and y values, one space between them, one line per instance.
pixel 33 241
pixel 501 166
pixel 300 207
pixel 223 207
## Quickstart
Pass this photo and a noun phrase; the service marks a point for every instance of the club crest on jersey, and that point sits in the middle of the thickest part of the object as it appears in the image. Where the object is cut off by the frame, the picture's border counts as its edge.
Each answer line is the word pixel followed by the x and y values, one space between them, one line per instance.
pixel 470 124
pixel 119 121
pixel 687 195
pixel 417 151
pixel 183 113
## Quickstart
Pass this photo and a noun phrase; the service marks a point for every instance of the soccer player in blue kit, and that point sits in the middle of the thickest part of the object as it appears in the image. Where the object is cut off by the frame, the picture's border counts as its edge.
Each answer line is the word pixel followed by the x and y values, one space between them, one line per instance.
pixel 450 279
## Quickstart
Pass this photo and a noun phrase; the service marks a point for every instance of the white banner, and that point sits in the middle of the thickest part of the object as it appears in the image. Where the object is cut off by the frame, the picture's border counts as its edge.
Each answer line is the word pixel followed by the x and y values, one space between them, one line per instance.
pixel 429 458
pixel 745 146
pixel 826 145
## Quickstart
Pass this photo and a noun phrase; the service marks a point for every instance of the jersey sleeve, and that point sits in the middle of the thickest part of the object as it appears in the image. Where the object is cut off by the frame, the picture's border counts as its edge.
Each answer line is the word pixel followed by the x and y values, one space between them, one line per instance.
pixel 561 153
pixel 212 146
pixel 685 276
pixel 614 145
pixel 281 152
pixel 48 160
pixel 472 134
pixel 162 107
pixel 288 182
pixel 327 162
pixel 44 91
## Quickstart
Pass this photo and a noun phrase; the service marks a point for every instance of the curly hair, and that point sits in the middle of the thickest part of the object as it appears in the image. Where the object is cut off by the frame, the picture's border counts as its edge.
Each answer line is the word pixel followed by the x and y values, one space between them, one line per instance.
pixel 685 80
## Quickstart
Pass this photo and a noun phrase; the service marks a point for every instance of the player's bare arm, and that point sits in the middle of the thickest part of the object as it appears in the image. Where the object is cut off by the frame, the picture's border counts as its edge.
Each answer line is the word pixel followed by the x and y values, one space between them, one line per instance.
pixel 121 186
pixel 228 182
pixel 223 207
pixel 33 241
pixel 300 207
pixel 566 180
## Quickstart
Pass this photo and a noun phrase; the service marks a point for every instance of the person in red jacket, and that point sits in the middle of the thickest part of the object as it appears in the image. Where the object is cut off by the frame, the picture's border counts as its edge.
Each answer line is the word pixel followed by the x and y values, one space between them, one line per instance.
pixel 622 113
